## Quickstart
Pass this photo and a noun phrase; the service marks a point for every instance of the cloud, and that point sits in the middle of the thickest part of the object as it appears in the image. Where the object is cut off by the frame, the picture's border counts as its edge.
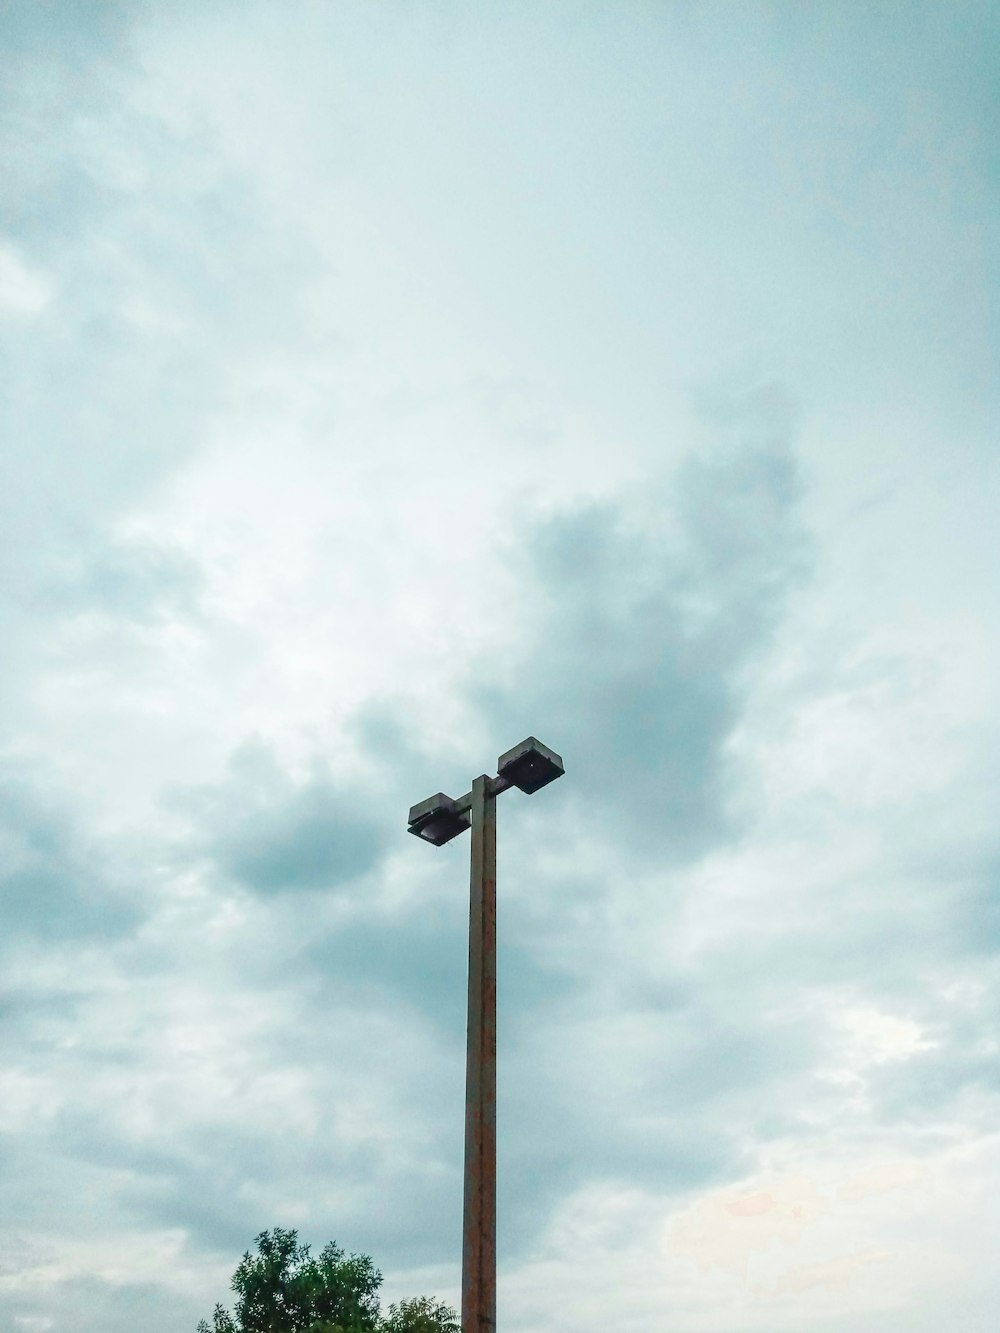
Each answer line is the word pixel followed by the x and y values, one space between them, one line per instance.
pixel 23 290
pixel 128 582
pixel 58 883
pixel 646 629
pixel 417 956
pixel 349 438
pixel 274 833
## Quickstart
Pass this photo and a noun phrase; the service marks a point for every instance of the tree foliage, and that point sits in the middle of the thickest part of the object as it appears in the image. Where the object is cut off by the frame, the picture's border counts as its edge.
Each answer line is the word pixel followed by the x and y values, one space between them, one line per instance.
pixel 421 1315
pixel 283 1288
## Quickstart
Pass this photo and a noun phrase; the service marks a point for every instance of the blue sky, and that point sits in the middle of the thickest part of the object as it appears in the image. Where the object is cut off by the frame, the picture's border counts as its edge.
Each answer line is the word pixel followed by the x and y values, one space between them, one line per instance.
pixel 384 383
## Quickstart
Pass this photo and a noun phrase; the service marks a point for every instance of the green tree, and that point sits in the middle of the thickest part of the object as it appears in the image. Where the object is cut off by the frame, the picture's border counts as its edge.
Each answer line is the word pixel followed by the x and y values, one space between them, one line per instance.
pixel 420 1316
pixel 284 1289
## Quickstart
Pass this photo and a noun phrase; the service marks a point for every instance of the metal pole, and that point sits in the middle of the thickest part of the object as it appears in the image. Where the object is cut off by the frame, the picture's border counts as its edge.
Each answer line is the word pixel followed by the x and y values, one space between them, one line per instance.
pixel 479 1251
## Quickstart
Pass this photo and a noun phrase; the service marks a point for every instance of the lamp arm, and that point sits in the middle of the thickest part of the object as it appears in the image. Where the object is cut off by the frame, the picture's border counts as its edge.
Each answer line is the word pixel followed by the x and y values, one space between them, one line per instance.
pixel 494 786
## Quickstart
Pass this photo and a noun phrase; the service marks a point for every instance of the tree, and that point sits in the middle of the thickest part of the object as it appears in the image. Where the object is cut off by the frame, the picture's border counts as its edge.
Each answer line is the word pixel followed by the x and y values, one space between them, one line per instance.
pixel 420 1316
pixel 284 1289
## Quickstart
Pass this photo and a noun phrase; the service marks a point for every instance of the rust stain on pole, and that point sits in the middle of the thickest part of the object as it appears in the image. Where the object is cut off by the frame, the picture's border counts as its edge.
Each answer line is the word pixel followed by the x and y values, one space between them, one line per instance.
pixel 479 1253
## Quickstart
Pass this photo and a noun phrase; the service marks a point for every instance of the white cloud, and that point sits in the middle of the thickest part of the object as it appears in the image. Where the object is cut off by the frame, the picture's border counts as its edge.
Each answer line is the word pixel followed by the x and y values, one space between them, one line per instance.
pixel 25 290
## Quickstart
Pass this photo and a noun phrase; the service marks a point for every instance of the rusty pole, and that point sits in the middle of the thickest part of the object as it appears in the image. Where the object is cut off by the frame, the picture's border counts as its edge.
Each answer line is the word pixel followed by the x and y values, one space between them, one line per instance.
pixel 479 1246
pixel 528 766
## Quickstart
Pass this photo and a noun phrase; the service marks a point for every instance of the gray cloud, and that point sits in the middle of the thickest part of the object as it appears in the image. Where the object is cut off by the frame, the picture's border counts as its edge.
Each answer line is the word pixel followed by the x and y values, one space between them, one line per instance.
pixel 130 583
pixel 932 1087
pixel 57 882
pixel 974 919
pixel 418 957
pixel 680 1097
pixel 274 833
pixel 645 636
pixel 93 1304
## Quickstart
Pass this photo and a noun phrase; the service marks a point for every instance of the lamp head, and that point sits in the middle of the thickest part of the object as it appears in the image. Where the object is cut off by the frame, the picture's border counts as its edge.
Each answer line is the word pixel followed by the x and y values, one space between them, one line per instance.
pixel 530 765
pixel 437 820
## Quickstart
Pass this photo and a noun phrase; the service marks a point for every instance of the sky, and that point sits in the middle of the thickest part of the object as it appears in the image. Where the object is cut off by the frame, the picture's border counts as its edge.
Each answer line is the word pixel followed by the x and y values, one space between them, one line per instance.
pixel 383 383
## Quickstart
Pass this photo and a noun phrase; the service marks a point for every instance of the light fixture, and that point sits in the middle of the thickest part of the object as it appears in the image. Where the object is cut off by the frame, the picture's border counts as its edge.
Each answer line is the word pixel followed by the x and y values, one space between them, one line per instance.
pixel 438 819
pixel 530 765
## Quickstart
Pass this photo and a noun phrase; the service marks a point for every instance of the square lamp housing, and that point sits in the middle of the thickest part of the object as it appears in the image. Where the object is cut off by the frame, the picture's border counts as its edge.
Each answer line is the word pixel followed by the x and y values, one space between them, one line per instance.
pixel 437 821
pixel 530 765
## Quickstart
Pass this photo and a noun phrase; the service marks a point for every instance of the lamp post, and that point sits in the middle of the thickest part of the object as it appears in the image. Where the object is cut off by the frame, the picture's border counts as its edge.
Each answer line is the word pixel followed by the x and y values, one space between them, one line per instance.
pixel 437 820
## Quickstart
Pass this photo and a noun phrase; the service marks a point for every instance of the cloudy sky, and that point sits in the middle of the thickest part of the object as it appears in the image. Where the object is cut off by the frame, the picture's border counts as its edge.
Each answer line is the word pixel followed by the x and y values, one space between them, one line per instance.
pixel 383 383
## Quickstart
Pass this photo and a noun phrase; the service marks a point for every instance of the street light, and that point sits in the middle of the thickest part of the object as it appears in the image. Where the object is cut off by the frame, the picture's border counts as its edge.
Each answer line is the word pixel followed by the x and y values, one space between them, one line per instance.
pixel 529 767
